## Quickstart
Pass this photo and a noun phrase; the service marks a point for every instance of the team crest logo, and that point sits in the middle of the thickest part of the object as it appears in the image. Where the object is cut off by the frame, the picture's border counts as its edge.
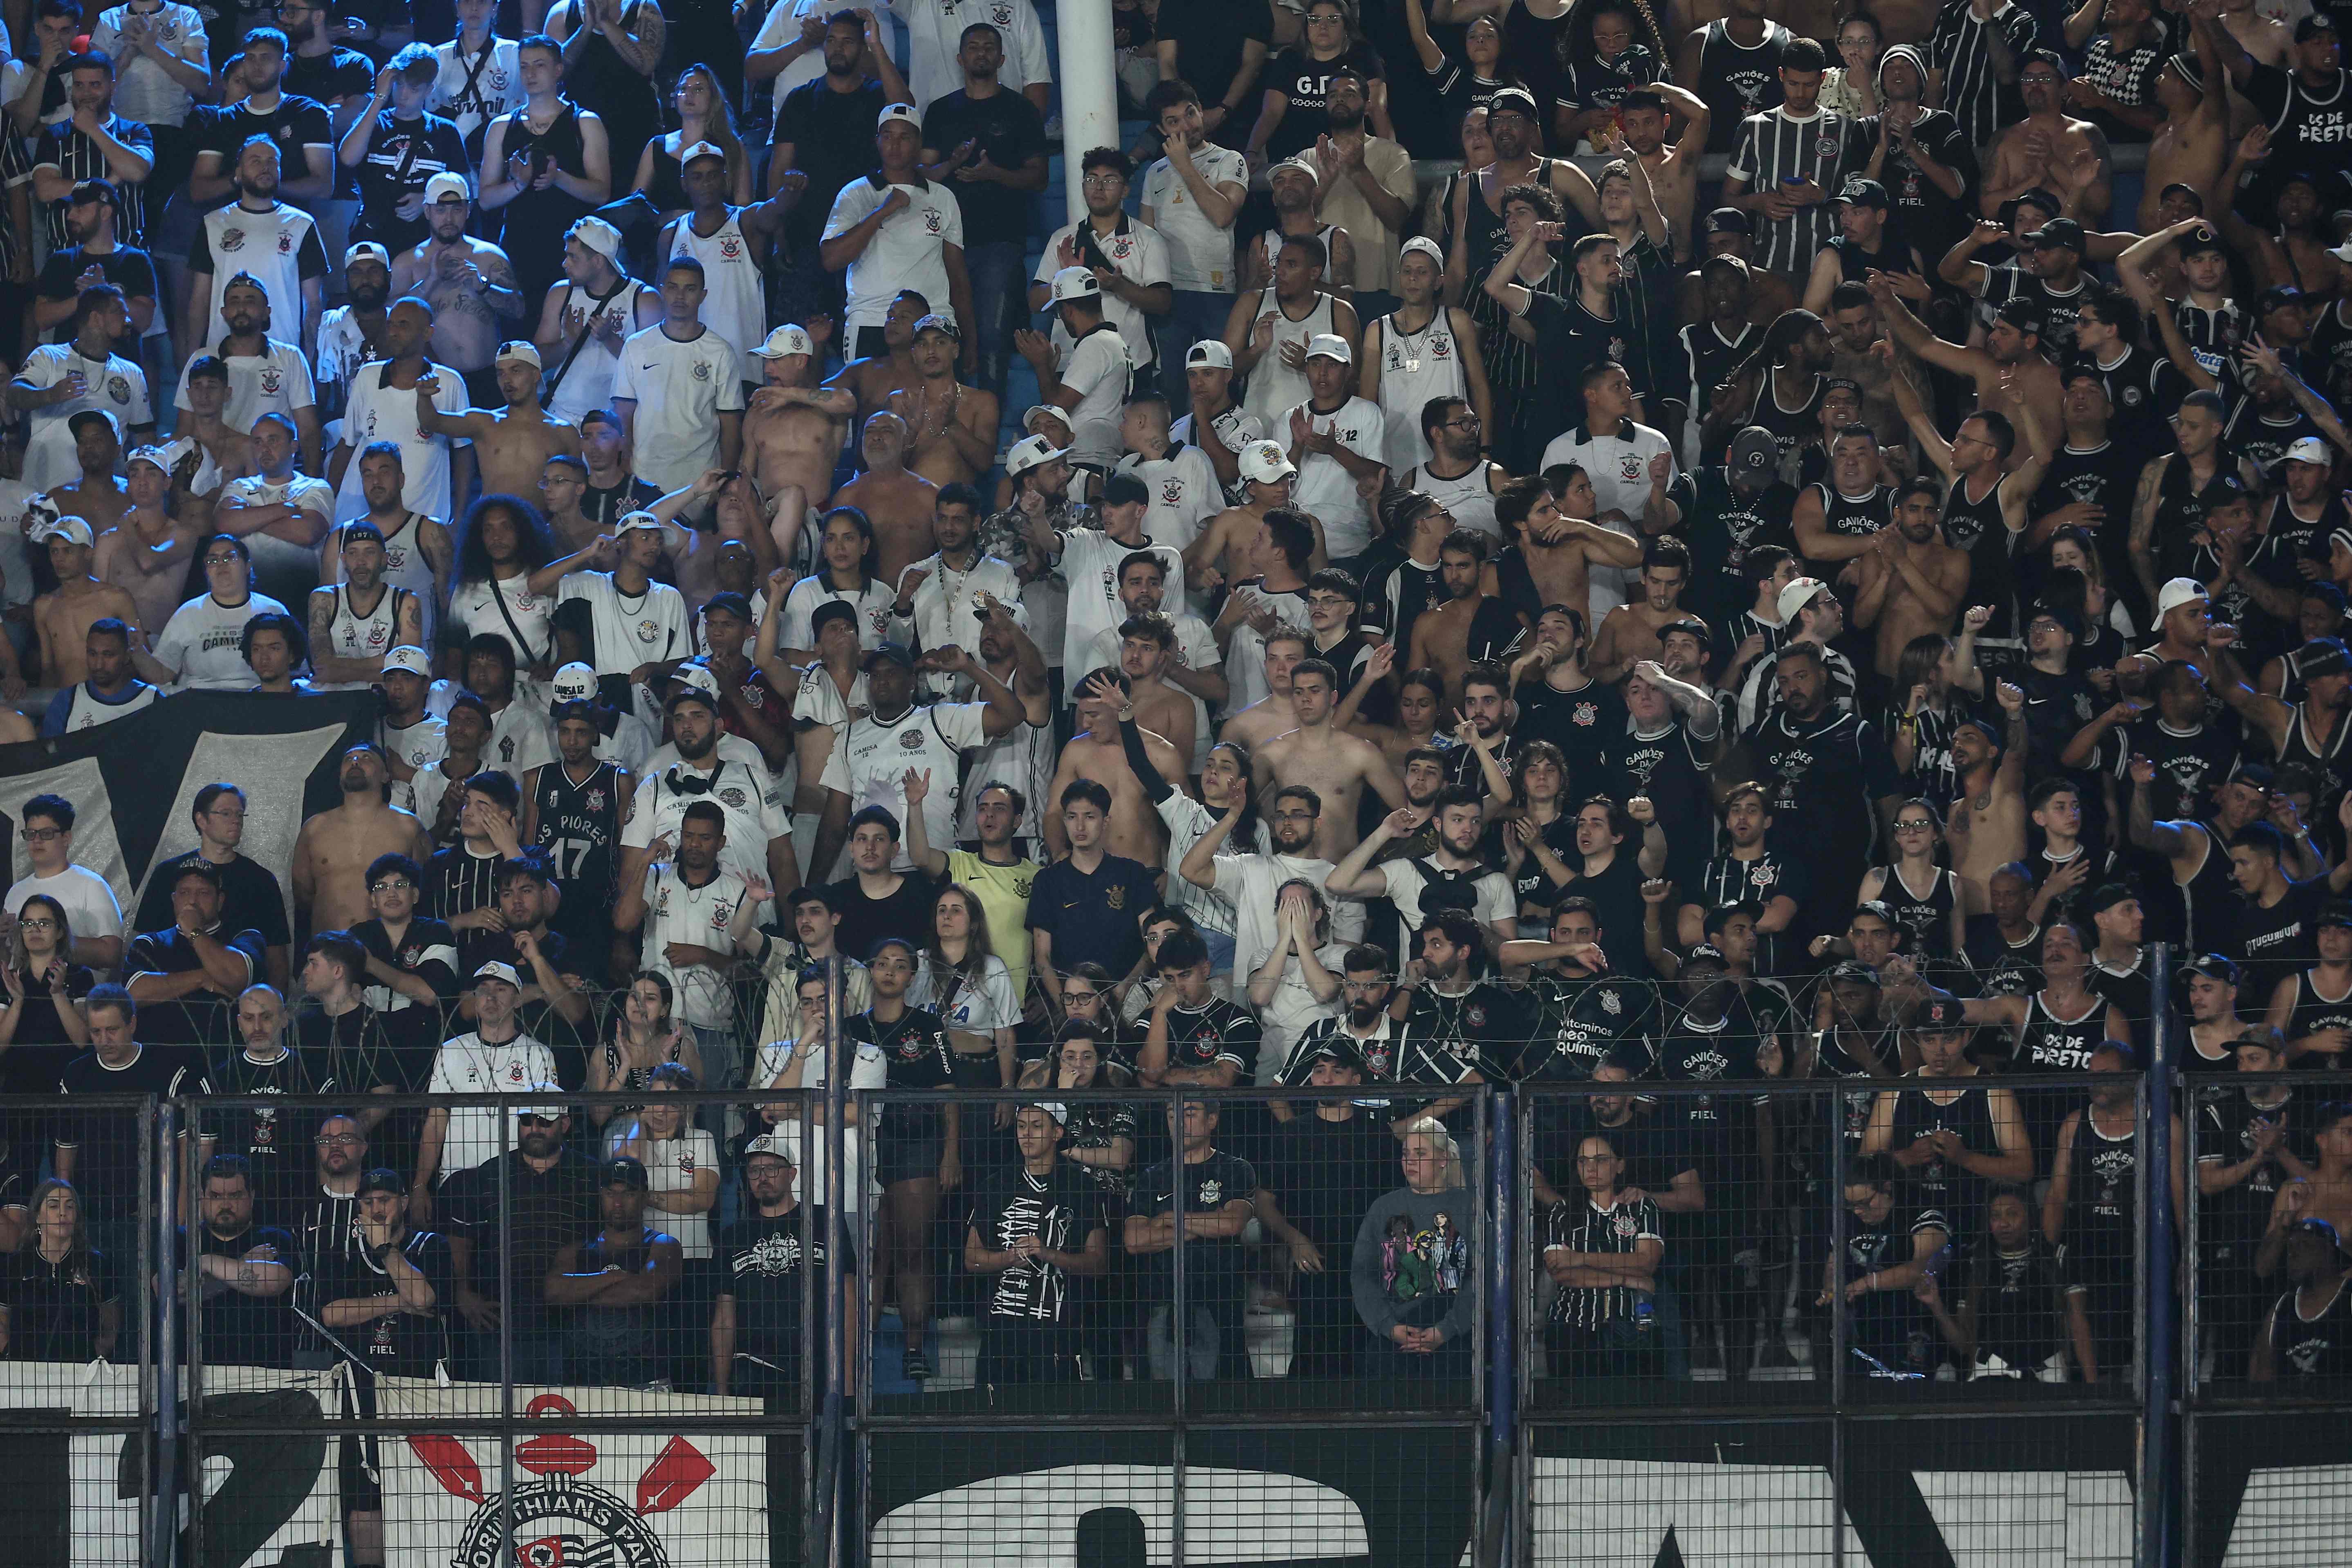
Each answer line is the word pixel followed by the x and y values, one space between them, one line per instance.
pixel 1001 14
pixel 1116 898
pixel 118 387
pixel 648 630
pixel 1611 1004
pixel 1764 876
pixel 701 370
pixel 376 633
pixel 1629 466
pixel 1171 492
pixel 561 1520
pixel 733 796
pixel 1212 1194
pixel 497 79
pixel 514 1072
pixel 1441 347
pixel 1623 1224
pixel 1474 1016
pixel 910 740
pixel 932 219
pixel 285 244
pixel 595 800
pixel 729 247
pixel 1827 147
pixel 719 915
pixel 2133 396
pixel 410 955
pixel 232 239
pixel 1585 715
pixel 271 380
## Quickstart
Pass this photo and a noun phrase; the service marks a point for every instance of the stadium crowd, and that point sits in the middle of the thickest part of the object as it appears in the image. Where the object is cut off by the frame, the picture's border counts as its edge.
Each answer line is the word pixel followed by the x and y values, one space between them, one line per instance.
pixel 1576 620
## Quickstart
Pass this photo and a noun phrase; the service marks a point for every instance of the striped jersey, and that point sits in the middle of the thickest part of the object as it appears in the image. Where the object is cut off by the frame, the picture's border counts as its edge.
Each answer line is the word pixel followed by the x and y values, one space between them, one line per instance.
pixel 1961 51
pixel 1775 146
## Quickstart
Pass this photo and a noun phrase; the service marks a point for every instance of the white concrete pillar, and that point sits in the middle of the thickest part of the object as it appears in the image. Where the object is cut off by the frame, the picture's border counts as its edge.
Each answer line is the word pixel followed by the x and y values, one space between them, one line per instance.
pixel 1089 91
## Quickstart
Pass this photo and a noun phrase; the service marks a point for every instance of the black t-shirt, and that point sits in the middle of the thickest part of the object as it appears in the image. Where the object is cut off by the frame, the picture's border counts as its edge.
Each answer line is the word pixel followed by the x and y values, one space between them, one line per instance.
pixel 239 1330
pixel 339 73
pixel 1725 525
pixel 402 156
pixel 1219 1031
pixel 1570 339
pixel 1479 1029
pixel 1306 83
pixel 761 1258
pixel 294 124
pixel 403 1344
pixel 204 1016
pixel 1008 127
pixel 1325 1174
pixel 53 1307
pixel 1214 1266
pixel 905 913
pixel 1209 35
pixel 427 949
pixel 126 267
pixel 106 1142
pixel 547 1212
pixel 914 1055
pixel 1059 1208
pixel 250 898
pixel 1091 918
pixel 1588 724
pixel 278 1146
pixel 831 135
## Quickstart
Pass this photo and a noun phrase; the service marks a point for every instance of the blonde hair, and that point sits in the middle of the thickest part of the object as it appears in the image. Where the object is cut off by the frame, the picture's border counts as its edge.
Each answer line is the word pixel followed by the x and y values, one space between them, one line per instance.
pixel 1449 1152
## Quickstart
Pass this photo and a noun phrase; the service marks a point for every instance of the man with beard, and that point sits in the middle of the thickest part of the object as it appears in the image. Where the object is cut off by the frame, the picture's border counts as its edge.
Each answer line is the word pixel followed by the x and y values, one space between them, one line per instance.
pixel 259 236
pixel 900 504
pixel 360 1052
pixel 1828 775
pixel 2047 150
pixel 584 317
pixel 537 1199
pixel 396 148
pixel 2050 274
pixel 1588 1012
pixel 57 381
pixel 355 623
pixel 1731 511
pixel 262 1061
pixel 2090 477
pixel 95 256
pixel 512 443
pixel 759 834
pixel 1130 259
pixel 1780 386
pixel 1913 581
pixel 1459 1030
pixel 769 1255
pixel 1810 616
pixel 265 375
pixel 950 427
pixel 185 976
pixel 351 334
pixel 249 890
pixel 1749 871
pixel 1863 244
pixel 327 1217
pixel 470 283
pixel 90 140
pixel 415 549
pixel 107 690
pixel 1703 355
pixel 792 435
pixel 1361 1033
pixel 2011 372
pixel 238 1276
pixel 1453 876
pixel 1922 156
pixel 382 408
pixel 333 852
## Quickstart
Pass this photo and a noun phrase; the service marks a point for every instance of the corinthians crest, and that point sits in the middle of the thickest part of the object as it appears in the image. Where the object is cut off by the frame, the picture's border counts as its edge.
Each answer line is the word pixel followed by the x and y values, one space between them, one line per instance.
pixel 561 1520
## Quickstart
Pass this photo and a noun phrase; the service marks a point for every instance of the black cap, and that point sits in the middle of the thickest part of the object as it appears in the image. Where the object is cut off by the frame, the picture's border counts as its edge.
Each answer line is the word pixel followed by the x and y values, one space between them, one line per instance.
pixel 2317 22
pixel 1862 193
pixel 1517 98
pixel 195 865
pixel 1845 382
pixel 896 653
pixel 1694 626
pixel 1941 1011
pixel 2023 314
pixel 2322 656
pixel 2335 912
pixel 1729 220
pixel 832 610
pixel 621 1170
pixel 81 416
pixel 2104 897
pixel 1330 1048
pixel 1705 953
pixel 380 1179
pixel 2057 232
pixel 1859 973
pixel 2225 488
pixel 2196 242
pixel 2212 966
pixel 2278 295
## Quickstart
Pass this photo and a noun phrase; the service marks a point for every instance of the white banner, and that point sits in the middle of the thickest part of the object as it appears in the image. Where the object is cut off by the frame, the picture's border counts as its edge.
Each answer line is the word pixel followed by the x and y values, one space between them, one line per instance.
pixel 683 1497
pixel 249 1490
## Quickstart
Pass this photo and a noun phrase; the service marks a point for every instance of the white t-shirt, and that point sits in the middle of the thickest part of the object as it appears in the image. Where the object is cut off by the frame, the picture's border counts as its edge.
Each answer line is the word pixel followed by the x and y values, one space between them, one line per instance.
pixel 1138 254
pixel 754 806
pixel 872 604
pixel 943 600
pixel 871 765
pixel 671 1166
pixel 420 745
pixel 521 738
pixel 1324 488
pixel 935 32
pixel 783 26
pixel 144 90
pixel 632 629
pixel 1097 369
pixel 16 566
pixel 1185 494
pixel 299 491
pixel 377 412
pixel 1090 560
pixel 867 1069
pixel 980 1009
pixel 278 381
pixel 90 905
pixel 342 349
pixel 1200 253
pixel 1249 882
pixel 272 245
pixel 908 253
pixel 470 1065
pixel 474 610
pixel 679 389
pixel 1495 905
pixel 677 912
pixel 471 91
pixel 203 641
pixel 114 385
pixel 1619 465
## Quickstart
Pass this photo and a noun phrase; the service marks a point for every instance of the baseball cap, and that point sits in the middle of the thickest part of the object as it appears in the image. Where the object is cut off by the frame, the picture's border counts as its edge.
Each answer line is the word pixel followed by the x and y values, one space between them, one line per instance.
pixel 381 1180
pixel 2322 656
pixel 1330 345
pixel 2310 449
pixel 768 1143
pixel 2225 488
pixel 1331 1048
pixel 2059 232
pixel 1862 193
pixel 520 353
pixel 896 653
pixel 2107 895
pixel 1692 626
pixel 1705 953
pixel 2317 22
pixel 551 1108
pixel 2278 296
pixel 1798 595
pixel 1422 244
pixel 408 656
pixel 79 417
pixel 2197 243
pixel 498 970
pixel 903 113
pixel 1856 971
pixel 830 611
pixel 1208 355
pixel 2336 913
pixel 89 193
pixel 2023 314
pixel 1075 283
pixel 576 682
pixel 2212 966
pixel 369 250
pixel 1941 1011
pixel 1728 220
pixel 1517 98
pixel 1053 1108
pixel 73 530
pixel 943 325
pixel 694 683
pixel 1038 413
pixel 442 186
pixel 1264 463
pixel 784 340
pixel 597 235
pixel 623 1171
pixel 1755 450
pixel 1032 452
pixel 1295 167
pixel 635 522
pixel 2178 592
pixel 701 150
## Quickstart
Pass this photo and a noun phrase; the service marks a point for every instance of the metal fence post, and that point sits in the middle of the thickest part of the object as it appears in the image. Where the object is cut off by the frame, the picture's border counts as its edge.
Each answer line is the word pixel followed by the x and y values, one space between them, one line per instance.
pixel 1834 1118
pixel 506 1329
pixel 161 1176
pixel 1180 1309
pixel 2161 1355
pixel 842 1335
pixel 1500 1109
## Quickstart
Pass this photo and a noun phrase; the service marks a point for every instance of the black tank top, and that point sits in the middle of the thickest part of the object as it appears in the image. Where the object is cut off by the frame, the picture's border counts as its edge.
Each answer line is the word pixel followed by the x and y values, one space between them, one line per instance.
pixel 2331 759
pixel 1926 916
pixel 1978 527
pixel 616 93
pixel 1854 516
pixel 1737 81
pixel 2050 1044
pixel 2103 1196
pixel 2314 1012
pixel 2317 1346
pixel 1482 230
pixel 580 826
pixel 1791 427
pixel 2212 900
pixel 1951 1188
pixel 536 221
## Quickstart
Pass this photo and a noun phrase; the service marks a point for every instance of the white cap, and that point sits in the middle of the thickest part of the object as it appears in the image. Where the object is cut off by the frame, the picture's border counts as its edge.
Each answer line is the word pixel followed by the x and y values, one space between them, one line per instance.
pixel 1042 411
pixel 937 322
pixel 1075 283
pixel 1330 345
pixel 1053 1108
pixel 163 454
pixel 701 150
pixel 1209 353
pixel 410 658
pixel 1032 452
pixel 495 970
pixel 902 113
pixel 1423 244
pixel 1295 167
pixel 551 1110
pixel 597 235
pixel 697 678
pixel 519 349
pixel 769 1145
pixel 1798 595
pixel 369 250
pixel 2343 252
pixel 2311 450
pixel 634 521
pixel 576 682
pixel 2180 590
pixel 73 530
pixel 1263 462
pixel 445 184
pixel 784 341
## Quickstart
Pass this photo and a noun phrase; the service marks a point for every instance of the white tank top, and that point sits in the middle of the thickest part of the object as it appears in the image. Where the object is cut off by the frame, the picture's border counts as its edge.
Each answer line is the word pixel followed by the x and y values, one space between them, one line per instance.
pixel 1414 368
pixel 86 712
pixel 1467 498
pixel 355 635
pixel 404 566
pixel 736 307
pixel 1275 389
pixel 1271 240
pixel 589 382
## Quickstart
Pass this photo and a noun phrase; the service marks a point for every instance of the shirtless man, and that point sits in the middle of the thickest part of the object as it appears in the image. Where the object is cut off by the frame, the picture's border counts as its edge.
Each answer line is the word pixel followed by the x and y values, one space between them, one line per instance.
pixel 2013 370
pixel 1912 581
pixel 2192 143
pixel 470 282
pixel 1272 714
pixel 146 554
pixel 64 616
pixel 94 493
pixel 334 850
pixel 230 448
pixel 1672 170
pixel 900 505
pixel 1469 626
pixel 872 380
pixel 1223 550
pixel 2049 150
pixel 511 445
pixel 1098 754
pixel 1986 827
pixel 1147 651
pixel 953 426
pixel 1335 763
pixel 792 434
pixel 1553 547
pixel 1728 231
pixel 1631 632
pixel 2266 38
pixel 2326 1193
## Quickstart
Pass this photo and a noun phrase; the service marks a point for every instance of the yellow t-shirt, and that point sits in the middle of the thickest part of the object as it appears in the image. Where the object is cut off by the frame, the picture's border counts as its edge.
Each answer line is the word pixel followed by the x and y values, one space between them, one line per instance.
pixel 1003 895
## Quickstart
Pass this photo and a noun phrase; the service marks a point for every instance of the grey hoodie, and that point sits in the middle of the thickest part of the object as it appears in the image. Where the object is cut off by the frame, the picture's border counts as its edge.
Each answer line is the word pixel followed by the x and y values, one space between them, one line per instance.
pixel 1429 1266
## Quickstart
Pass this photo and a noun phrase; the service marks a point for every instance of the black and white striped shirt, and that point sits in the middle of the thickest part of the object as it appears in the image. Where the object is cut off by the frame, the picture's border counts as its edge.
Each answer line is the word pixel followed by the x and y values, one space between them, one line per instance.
pixel 1961 50
pixel 64 148
pixel 1776 146
pixel 1585 1228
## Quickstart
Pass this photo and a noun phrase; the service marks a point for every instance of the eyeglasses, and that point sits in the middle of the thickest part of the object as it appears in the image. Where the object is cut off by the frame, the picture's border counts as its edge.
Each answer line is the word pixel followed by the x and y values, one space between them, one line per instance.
pixel 1467 422
pixel 1328 602
pixel 41 834
pixel 1104 177
pixel 1919 826
pixel 392 885
pixel 224 560
pixel 338 1140
pixel 38 923
pixel 1326 21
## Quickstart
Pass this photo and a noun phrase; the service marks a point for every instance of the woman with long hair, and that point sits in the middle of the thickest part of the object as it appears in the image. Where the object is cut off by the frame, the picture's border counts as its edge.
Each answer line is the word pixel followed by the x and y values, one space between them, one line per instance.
pixel 644 1038
pixel 199 648
pixel 965 984
pixel 1300 980
pixel 1420 700
pixel 2107 624
pixel 704 114
pixel 1926 706
pixel 63 1297
pixel 1477 151
pixel 1296 107
pixel 501 541
pixel 1097 1134
pixel 46 988
pixel 681 1159
pixel 1088 997
pixel 1926 898
pixel 1539 800
pixel 849 556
